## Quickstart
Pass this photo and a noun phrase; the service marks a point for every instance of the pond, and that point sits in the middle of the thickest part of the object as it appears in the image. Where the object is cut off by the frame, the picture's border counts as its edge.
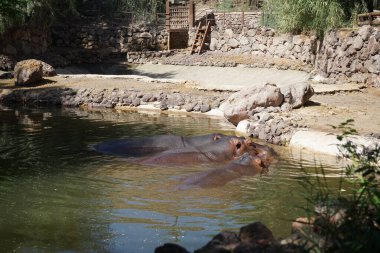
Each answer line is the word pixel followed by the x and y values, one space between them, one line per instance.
pixel 58 195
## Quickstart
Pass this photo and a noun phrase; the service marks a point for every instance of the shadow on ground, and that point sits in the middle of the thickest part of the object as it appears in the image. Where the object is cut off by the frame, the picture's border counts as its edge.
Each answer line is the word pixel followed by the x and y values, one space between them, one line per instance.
pixel 110 69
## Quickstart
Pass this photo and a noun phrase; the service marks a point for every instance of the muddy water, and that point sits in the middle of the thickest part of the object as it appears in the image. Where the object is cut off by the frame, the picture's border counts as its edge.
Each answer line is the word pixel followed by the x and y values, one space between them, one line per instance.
pixel 58 195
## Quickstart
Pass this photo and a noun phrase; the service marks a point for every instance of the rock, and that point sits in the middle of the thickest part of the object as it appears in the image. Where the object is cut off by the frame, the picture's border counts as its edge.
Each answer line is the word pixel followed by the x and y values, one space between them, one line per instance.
pixel 263 117
pixel 219 243
pixel 170 248
pixel 164 105
pixel 189 107
pixel 229 33
pixel 48 70
pixel 28 72
pixel 364 32
pixel 136 102
pixel 233 43
pixel 175 99
pixel 358 43
pixel 147 97
pixel 297 40
pixel 243 126
pixel 239 104
pixel 296 95
pixel 145 35
pixel 205 108
pixel 373 65
pixel 244 41
pixel 374 81
pixel 373 46
pixel 197 107
pixel 254 232
pixel 6 63
pixel 213 44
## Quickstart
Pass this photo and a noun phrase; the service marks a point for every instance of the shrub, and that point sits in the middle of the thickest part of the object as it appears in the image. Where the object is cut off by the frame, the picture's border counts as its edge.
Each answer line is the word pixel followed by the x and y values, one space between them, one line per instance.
pixel 347 221
pixel 297 16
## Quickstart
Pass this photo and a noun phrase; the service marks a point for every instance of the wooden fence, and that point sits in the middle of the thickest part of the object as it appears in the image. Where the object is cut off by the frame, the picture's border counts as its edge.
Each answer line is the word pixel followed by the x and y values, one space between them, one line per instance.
pixel 179 16
pixel 372 18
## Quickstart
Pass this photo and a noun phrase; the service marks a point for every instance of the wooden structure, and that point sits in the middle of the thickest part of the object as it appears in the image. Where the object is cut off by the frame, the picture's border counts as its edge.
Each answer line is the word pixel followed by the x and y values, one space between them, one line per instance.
pixel 179 19
pixel 200 38
pixel 372 18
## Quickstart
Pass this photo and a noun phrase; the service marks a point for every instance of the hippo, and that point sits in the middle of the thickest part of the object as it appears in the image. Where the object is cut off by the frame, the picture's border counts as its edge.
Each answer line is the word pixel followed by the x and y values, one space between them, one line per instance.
pixel 265 153
pixel 223 149
pixel 136 147
pixel 246 165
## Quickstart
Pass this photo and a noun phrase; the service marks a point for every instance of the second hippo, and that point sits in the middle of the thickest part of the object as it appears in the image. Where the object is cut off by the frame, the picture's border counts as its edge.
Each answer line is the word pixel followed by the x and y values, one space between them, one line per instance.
pixel 224 149
pixel 246 165
pixel 135 147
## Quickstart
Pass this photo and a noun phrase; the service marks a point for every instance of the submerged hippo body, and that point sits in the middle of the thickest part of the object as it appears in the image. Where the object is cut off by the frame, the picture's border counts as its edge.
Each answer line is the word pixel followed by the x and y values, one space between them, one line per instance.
pixel 223 149
pixel 246 165
pixel 154 144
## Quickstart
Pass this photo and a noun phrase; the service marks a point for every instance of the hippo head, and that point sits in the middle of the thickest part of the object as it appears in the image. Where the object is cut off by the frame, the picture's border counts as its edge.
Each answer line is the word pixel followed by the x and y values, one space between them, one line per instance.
pixel 265 153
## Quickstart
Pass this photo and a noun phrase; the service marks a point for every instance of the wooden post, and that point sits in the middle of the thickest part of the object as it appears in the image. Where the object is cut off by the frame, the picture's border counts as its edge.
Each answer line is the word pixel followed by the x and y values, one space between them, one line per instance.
pixel 167 23
pixel 167 16
pixel 191 13
pixel 242 20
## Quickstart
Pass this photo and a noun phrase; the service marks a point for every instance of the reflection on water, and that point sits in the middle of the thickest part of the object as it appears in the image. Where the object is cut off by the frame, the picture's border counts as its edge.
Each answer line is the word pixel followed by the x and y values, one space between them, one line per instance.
pixel 58 195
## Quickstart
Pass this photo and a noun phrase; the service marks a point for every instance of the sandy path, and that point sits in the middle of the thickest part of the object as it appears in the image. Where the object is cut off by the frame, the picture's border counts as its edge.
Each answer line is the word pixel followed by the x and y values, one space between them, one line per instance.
pixel 230 78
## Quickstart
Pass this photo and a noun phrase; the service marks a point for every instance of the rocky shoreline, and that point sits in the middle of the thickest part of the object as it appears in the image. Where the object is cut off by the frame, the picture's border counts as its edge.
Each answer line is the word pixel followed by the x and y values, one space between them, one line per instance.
pixel 273 124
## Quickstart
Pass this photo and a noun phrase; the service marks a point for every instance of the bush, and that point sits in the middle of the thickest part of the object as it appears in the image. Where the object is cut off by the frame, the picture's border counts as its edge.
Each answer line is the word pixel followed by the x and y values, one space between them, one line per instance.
pixel 33 12
pixel 347 221
pixel 297 16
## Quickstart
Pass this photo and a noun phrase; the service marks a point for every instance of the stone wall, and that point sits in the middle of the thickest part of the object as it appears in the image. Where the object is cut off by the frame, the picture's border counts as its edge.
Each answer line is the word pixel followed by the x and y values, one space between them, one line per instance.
pixel 141 57
pixel 109 38
pixel 82 41
pixel 25 41
pixel 350 55
pixel 237 34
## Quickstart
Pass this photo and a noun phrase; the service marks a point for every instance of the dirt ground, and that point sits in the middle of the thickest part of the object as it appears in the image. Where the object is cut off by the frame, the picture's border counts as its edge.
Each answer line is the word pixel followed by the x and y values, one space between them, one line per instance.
pixel 332 109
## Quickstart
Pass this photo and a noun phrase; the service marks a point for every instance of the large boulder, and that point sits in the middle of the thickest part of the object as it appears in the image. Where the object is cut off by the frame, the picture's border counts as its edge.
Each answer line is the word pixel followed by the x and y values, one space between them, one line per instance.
pixel 296 95
pixel 239 104
pixel 28 72
pixel 48 70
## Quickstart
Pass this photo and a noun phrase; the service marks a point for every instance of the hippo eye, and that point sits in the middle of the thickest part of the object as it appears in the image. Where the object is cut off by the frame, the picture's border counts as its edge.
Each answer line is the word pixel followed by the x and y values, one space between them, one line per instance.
pixel 238 145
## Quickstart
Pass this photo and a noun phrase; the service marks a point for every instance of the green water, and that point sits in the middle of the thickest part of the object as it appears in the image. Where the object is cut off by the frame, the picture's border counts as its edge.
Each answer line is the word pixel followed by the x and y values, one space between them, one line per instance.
pixel 58 195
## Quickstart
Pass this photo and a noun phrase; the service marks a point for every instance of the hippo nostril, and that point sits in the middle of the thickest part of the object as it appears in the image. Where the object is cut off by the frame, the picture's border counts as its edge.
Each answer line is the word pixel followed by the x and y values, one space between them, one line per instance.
pixel 238 145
